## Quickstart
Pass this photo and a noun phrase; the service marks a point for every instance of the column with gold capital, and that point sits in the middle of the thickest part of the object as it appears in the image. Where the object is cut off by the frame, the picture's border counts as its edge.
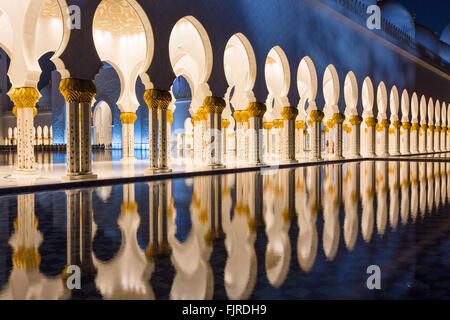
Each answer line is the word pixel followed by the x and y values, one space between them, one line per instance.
pixel 338 120
pixel 268 126
pixel 256 111
pixel 437 137
pixel 239 133
pixel 300 137
pixel 430 138
pixel 316 117
pixel 24 100
pixel 383 128
pixel 414 136
pixel 370 148
pixel 405 148
pixel 289 114
pixel 443 138
pixel 157 101
pixel 169 133
pixel 396 146
pixel 214 107
pixel 128 119
pixel 447 136
pixel 423 133
pixel 225 125
pixel 355 145
pixel 78 94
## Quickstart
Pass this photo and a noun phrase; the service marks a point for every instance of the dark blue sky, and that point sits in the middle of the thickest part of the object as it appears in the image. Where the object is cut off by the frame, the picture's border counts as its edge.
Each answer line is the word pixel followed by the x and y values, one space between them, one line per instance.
pixel 434 14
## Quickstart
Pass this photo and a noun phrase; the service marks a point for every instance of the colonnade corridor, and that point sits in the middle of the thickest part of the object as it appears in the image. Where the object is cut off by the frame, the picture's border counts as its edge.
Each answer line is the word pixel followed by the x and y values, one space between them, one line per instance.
pixel 297 233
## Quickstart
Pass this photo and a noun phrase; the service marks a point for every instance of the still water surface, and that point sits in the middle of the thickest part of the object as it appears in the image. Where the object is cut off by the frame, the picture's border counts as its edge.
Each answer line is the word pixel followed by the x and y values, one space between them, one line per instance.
pixel 303 233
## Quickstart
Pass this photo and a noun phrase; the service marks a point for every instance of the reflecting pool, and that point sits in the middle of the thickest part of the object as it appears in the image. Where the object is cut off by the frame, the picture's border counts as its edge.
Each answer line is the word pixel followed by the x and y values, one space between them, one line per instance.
pixel 300 233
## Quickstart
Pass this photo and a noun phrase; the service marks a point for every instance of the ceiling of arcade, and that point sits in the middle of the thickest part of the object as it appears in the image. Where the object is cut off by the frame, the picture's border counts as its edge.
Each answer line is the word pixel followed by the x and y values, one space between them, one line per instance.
pixel 114 16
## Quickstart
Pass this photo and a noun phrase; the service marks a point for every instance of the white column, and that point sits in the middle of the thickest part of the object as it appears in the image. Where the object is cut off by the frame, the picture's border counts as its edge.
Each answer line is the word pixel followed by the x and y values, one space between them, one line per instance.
pixel 355 136
pixel 443 138
pixel 405 149
pixel 437 138
pixel 396 141
pixel 423 138
pixel 268 126
pixel 383 126
pixel 338 120
pixel 128 119
pixel 225 125
pixel 162 126
pixel 256 112
pixel 289 114
pixel 214 107
pixel 430 138
pixel 370 136
pixel 415 127
pixel 316 117
pixel 24 100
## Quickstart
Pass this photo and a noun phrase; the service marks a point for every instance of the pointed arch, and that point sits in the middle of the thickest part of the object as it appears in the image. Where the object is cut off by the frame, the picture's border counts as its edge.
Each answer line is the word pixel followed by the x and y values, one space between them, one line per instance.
pixel 405 106
pixel 394 103
pixel 423 110
pixel 306 82
pixel 331 90
pixel 430 112
pixel 367 97
pixel 351 93
pixel 382 101
pixel 414 108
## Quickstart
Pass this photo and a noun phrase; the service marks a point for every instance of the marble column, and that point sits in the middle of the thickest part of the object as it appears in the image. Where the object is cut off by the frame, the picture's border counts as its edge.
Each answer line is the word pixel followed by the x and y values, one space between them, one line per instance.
pixel 448 138
pixel 383 130
pixel 396 139
pixel 443 138
pixel 128 119
pixel 78 95
pixel 437 138
pixel 169 134
pixel 255 111
pixel 289 114
pixel 338 120
pixel 268 126
pixel 405 148
pixel 157 101
pixel 300 137
pixel 24 100
pixel 414 136
pixel 370 147
pixel 430 138
pixel 355 148
pixel 225 125
pixel 423 133
pixel 197 145
pixel 278 148
pixel 316 116
pixel 245 127
pixel 239 136
pixel 329 137
pixel 214 107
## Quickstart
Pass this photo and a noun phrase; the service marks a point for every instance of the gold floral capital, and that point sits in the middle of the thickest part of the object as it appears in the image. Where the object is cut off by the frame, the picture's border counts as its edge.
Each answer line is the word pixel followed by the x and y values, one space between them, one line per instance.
pixel 423 127
pixel 437 129
pixel 316 115
pixel 244 116
pixel 338 118
pixel 406 125
pixel 77 90
pixel 415 126
pixel 256 109
pixel 355 120
pixel 371 122
pixel 157 99
pixel 237 116
pixel 396 124
pixel 225 123
pixel 300 125
pixel 431 128
pixel 214 105
pixel 128 117
pixel 289 113
pixel 169 116
pixel 268 125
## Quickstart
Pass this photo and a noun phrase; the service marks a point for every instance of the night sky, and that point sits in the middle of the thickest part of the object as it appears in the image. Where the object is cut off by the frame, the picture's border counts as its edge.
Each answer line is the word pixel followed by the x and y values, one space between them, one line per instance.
pixel 435 14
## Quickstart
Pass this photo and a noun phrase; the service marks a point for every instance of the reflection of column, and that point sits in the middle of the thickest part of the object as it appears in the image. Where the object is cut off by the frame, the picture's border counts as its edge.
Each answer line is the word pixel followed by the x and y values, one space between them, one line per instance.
pixel 350 207
pixel 437 185
pixel 423 138
pixel 157 101
pixel 367 192
pixel 414 171
pixel 443 184
pixel 289 114
pixel 405 149
pixel 382 184
pixel 338 120
pixel 430 189
pixel 24 109
pixel 415 127
pixel 128 119
pixel 355 149
pixel 423 188
pixel 316 117
pixel 78 95
pixel 370 147
pixel 256 112
pixel 214 107
pixel 394 186
pixel 405 183
pixel 331 231
pixel 384 138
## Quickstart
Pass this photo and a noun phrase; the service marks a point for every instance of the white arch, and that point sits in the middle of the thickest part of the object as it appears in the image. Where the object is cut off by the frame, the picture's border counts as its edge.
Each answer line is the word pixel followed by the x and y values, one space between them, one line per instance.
pixel 430 112
pixel 367 98
pixel 423 110
pixel 6 36
pixel 350 94
pixel 191 56
pixel 102 121
pixel 437 113
pixel 393 104
pixel 307 85
pixel 414 108
pixel 126 42
pixel 382 101
pixel 240 72
pixel 278 80
pixel 330 91
pixel 405 106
